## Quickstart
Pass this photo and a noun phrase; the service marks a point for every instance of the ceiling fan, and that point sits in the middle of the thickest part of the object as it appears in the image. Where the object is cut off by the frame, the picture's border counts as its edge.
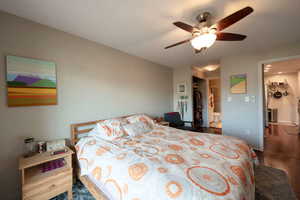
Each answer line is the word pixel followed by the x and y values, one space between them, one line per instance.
pixel 204 34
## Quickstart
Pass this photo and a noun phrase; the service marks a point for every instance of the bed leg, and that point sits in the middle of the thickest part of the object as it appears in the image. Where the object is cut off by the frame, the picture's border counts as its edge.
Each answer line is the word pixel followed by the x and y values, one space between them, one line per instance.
pixel 70 195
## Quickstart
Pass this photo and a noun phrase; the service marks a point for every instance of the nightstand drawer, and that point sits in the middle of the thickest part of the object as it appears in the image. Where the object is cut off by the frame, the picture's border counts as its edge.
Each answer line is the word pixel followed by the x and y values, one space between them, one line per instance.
pixel 48 188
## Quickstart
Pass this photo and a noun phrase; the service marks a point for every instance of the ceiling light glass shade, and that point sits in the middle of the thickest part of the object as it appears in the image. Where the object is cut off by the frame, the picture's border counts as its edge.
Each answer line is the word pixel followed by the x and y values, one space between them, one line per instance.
pixel 204 41
pixel 211 68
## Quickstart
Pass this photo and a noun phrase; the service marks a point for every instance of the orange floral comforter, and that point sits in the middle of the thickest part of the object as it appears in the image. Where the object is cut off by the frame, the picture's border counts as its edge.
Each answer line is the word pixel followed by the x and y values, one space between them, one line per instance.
pixel 168 163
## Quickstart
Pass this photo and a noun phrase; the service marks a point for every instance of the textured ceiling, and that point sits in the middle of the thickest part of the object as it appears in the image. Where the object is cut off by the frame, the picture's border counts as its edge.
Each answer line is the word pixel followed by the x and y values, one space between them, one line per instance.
pixel 143 28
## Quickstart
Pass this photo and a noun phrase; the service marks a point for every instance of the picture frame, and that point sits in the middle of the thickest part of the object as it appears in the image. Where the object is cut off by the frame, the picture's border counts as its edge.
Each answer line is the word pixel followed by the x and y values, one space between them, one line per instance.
pixel 238 84
pixel 30 82
pixel 181 88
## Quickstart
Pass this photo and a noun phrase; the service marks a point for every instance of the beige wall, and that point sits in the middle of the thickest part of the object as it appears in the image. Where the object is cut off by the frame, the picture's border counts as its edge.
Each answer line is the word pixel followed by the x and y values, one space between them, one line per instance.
pixel 197 73
pixel 183 75
pixel 213 74
pixel 245 119
pixel 206 74
pixel 94 82
pixel 240 118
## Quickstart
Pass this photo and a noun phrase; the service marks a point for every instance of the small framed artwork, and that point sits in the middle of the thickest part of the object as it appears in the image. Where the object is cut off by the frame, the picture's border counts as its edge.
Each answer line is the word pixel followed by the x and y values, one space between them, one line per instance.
pixel 181 88
pixel 30 82
pixel 238 84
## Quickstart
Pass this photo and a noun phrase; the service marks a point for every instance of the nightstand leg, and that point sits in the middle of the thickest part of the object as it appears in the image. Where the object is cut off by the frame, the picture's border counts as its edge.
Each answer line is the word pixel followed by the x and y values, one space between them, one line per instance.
pixel 70 195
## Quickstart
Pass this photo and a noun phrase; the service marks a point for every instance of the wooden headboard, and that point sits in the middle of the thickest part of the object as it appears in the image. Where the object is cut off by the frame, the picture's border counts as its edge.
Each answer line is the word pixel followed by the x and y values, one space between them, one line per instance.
pixel 80 129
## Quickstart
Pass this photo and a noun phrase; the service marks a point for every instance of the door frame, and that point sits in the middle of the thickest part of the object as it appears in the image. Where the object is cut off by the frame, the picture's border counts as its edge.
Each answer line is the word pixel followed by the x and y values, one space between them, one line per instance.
pixel 261 126
pixel 205 108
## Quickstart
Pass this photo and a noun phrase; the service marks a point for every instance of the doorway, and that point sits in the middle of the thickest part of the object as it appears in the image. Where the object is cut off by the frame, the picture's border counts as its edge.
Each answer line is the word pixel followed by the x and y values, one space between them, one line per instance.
pixel 282 94
pixel 280 117
pixel 214 103
pixel 199 91
pixel 207 98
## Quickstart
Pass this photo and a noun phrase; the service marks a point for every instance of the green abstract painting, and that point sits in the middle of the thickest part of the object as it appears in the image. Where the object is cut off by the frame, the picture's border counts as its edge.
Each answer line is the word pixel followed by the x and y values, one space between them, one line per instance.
pixel 30 82
pixel 238 84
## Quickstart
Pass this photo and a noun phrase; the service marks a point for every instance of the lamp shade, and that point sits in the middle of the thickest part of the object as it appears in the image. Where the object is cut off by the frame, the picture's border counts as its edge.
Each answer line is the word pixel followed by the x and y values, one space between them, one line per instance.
pixel 203 40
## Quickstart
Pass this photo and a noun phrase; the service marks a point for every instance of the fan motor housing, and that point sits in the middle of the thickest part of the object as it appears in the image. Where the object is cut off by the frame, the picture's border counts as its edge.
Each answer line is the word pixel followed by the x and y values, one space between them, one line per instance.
pixel 203 20
pixel 203 17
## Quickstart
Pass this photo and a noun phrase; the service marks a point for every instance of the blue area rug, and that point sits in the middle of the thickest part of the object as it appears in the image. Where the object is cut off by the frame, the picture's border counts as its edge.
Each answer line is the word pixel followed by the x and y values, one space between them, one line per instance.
pixel 79 193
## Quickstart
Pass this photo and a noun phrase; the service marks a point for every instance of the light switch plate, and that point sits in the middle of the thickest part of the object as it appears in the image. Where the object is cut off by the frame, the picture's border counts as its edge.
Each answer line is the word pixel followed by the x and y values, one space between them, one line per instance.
pixel 229 99
pixel 247 99
pixel 253 99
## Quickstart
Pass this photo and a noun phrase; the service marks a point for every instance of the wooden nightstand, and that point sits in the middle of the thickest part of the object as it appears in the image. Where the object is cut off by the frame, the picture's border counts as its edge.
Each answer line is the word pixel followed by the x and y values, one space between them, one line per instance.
pixel 37 185
pixel 164 123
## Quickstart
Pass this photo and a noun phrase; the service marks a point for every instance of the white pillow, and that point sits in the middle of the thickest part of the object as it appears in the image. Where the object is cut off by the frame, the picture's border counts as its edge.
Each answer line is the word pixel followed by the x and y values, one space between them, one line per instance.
pixel 109 129
pixel 137 128
pixel 141 118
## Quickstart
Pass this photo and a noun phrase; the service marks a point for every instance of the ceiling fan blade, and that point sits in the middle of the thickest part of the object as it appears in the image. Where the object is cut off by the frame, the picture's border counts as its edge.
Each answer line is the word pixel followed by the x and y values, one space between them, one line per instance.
pixel 230 37
pixel 233 18
pixel 198 51
pixel 178 43
pixel 184 26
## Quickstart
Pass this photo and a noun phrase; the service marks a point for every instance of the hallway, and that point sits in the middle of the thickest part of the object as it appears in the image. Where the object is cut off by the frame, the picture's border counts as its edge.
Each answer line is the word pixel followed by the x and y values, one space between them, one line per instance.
pixel 282 151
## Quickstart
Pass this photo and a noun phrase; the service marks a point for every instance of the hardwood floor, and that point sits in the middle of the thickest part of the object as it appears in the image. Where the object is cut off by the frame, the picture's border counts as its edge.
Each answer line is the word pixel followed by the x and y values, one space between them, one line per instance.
pixel 282 151
pixel 211 130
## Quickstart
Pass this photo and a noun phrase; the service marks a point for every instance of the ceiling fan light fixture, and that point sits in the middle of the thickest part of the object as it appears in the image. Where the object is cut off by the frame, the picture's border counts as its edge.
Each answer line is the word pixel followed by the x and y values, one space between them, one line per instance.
pixel 211 68
pixel 205 40
pixel 204 34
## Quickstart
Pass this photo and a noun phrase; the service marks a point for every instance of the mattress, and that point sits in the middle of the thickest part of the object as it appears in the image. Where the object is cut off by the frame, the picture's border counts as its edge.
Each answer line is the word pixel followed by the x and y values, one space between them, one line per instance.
pixel 100 186
pixel 168 163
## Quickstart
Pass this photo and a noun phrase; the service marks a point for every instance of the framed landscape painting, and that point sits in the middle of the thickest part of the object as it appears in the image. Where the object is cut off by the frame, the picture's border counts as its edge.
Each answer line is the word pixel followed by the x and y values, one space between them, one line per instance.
pixel 30 82
pixel 238 84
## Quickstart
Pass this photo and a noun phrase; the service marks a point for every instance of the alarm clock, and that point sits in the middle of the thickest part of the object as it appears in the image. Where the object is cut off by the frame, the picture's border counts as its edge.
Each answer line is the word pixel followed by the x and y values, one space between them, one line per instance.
pixel 55 145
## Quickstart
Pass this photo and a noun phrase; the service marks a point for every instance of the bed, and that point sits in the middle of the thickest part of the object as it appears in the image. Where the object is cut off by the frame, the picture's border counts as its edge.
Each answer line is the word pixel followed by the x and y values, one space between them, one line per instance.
pixel 164 163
